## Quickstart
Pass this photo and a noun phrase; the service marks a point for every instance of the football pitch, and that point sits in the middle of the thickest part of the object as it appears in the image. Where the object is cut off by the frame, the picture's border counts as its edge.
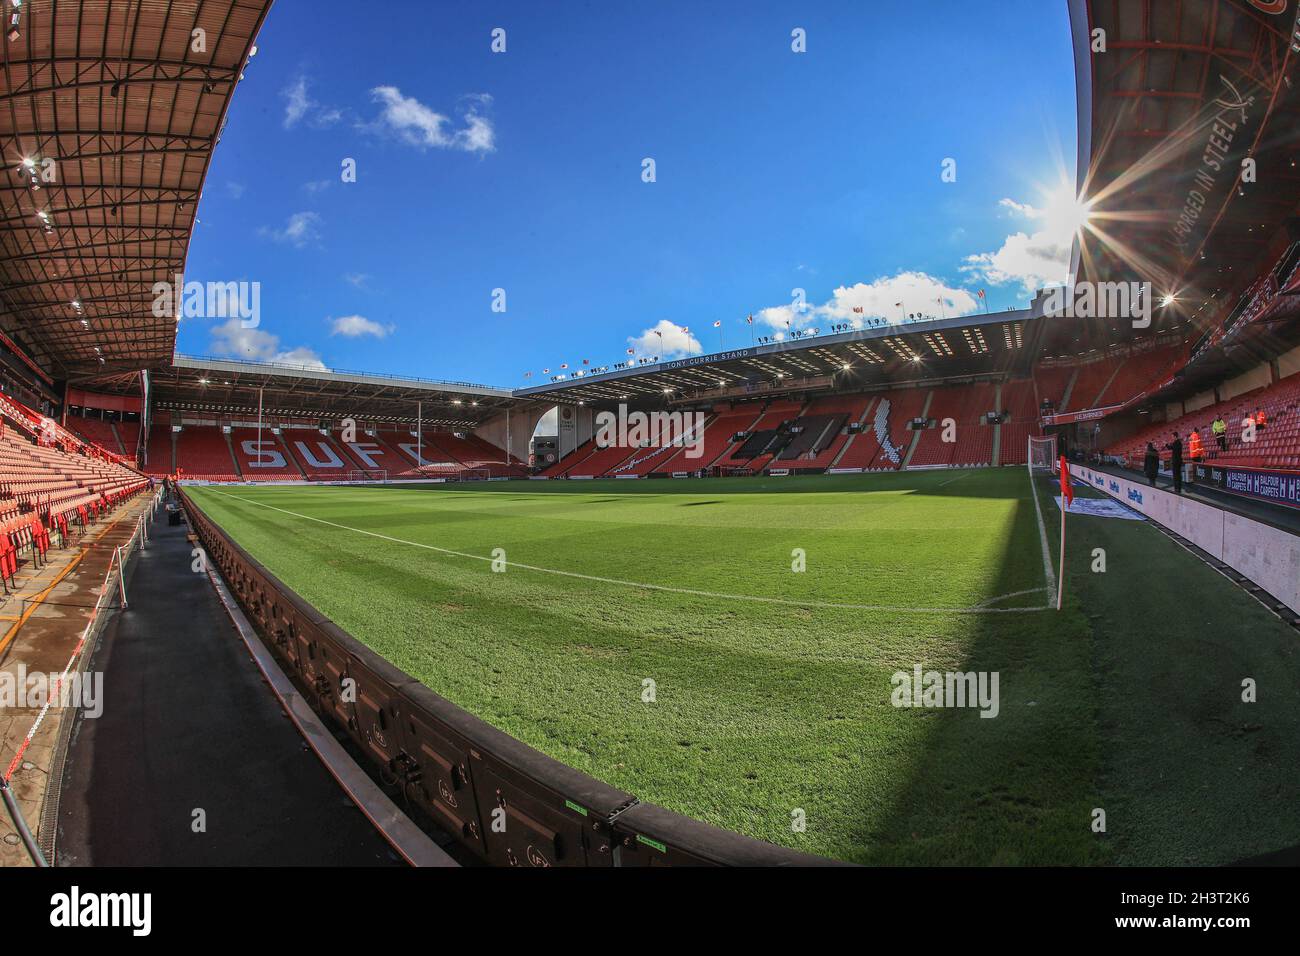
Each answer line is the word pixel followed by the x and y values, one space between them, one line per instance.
pixel 727 648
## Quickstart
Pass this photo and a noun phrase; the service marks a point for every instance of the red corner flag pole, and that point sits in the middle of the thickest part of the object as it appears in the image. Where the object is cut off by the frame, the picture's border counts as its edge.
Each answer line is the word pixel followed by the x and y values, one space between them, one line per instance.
pixel 1067 499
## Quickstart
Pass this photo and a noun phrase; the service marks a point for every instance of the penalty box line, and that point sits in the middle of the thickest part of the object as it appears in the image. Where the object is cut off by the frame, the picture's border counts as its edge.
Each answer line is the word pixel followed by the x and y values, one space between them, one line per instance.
pixel 758 599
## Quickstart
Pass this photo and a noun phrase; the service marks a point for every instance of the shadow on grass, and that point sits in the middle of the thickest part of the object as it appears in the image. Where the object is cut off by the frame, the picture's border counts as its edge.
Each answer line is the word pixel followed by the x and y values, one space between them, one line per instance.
pixel 1018 788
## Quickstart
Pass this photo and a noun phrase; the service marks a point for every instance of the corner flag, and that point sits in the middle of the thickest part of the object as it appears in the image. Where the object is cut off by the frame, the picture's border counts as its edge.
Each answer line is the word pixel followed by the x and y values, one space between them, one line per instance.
pixel 1067 499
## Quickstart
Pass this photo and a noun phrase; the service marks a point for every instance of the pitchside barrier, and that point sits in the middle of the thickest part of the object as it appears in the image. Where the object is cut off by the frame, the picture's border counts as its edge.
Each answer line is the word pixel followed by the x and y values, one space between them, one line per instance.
pixel 509 804
pixel 1265 555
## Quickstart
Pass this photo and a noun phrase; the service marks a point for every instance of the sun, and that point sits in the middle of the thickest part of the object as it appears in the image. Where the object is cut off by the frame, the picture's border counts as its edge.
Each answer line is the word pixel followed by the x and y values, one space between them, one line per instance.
pixel 1065 213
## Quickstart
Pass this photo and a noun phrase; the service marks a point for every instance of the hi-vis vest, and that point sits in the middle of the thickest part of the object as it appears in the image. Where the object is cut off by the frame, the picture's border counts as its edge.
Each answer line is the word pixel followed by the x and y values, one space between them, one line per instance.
pixel 1194 444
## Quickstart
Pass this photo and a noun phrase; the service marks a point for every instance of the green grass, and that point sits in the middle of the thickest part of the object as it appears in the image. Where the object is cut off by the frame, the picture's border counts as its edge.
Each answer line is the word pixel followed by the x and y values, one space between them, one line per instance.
pixel 1125 701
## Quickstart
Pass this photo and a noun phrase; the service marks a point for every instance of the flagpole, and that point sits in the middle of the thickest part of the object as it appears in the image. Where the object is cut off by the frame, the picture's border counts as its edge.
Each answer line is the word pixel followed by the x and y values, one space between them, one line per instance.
pixel 1066 494
pixel 1060 581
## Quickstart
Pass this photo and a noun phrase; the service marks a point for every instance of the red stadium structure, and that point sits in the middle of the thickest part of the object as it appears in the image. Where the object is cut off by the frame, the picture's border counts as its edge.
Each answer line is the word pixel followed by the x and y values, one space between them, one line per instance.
pixel 1188 162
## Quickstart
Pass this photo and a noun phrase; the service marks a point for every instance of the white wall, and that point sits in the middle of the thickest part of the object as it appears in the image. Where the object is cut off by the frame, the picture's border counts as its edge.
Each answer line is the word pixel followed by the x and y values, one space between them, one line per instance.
pixel 1289 362
pixel 1257 377
pixel 1265 555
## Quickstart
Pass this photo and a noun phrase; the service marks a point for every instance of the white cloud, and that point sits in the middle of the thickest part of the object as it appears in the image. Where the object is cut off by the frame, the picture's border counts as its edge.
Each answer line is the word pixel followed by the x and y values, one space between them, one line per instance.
pixel 357 279
pixel 318 185
pixel 296 102
pixel 235 190
pixel 354 326
pixel 1034 259
pixel 257 345
pixel 919 293
pixel 674 341
pixel 417 124
pixel 301 229
pixel 299 105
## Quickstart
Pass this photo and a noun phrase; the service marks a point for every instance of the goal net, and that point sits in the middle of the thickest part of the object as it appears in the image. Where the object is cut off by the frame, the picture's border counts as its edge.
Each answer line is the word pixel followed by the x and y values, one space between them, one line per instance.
pixel 1042 455
pixel 475 474
pixel 378 475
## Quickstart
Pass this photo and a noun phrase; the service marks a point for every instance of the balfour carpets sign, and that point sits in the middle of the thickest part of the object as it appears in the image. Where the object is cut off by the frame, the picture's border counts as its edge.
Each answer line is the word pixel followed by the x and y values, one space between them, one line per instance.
pixel 1282 487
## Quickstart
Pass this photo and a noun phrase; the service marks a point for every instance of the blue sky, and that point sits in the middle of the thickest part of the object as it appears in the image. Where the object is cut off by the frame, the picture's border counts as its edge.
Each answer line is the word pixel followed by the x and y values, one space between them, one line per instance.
pixel 523 171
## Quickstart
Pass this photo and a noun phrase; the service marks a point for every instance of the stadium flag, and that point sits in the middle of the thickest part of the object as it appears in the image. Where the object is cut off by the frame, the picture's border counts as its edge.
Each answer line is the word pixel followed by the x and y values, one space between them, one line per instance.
pixel 1067 499
pixel 859 310
pixel 564 365
pixel 586 361
pixel 718 324
pixel 631 351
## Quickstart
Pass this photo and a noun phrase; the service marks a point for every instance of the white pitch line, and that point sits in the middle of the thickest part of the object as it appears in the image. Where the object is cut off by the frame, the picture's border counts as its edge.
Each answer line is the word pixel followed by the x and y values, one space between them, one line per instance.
pixel 1042 538
pixel 759 599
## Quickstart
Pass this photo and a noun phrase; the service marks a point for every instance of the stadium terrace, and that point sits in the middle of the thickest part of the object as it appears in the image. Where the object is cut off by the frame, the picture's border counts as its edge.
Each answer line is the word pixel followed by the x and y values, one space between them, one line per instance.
pixel 1006 588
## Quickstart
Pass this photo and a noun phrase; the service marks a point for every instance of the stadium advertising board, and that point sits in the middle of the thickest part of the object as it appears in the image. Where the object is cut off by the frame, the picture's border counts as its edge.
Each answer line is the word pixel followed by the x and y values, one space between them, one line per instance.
pixel 1266 555
pixel 1279 487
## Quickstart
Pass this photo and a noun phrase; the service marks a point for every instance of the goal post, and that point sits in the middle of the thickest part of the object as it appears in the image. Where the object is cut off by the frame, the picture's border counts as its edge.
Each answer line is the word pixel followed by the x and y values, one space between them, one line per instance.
pixel 373 476
pixel 1042 455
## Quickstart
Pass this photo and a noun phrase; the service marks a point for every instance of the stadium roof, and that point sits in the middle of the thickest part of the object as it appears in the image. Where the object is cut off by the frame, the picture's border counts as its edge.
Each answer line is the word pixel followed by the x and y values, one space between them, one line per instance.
pixel 966 345
pixel 225 386
pixel 109 115
pixel 1182 93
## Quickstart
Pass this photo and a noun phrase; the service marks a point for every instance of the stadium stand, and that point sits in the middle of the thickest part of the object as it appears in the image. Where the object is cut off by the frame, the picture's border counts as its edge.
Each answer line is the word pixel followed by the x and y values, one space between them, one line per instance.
pixel 600 460
pixel 1088 385
pixel 848 409
pixel 1139 372
pixel 128 434
pixel 727 421
pixel 422 456
pixel 1052 384
pixel 885 438
pixel 767 437
pixel 202 454
pixel 48 491
pixel 1020 404
pixel 160 451
pixel 98 432
pixel 645 460
pixel 386 453
pixel 973 439
pixel 317 454
pixel 1277 445
pixel 267 461
pixel 472 452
